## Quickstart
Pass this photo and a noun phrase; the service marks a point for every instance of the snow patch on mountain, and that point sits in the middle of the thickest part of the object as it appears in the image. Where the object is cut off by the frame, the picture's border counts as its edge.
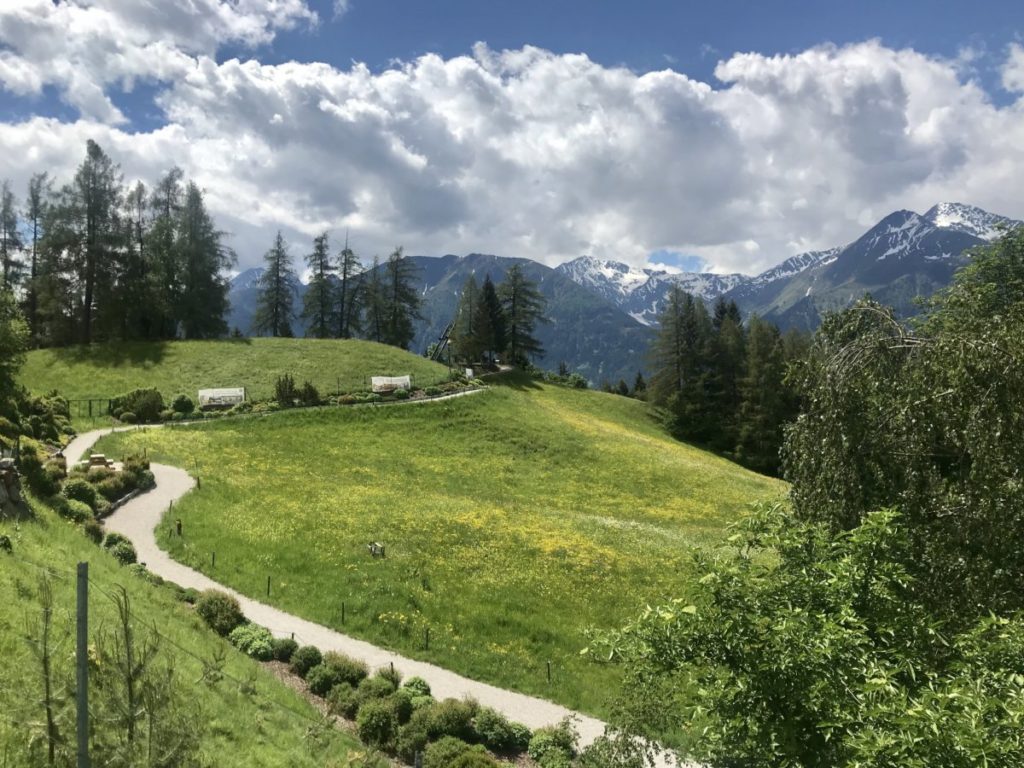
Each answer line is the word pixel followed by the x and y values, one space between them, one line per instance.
pixel 970 220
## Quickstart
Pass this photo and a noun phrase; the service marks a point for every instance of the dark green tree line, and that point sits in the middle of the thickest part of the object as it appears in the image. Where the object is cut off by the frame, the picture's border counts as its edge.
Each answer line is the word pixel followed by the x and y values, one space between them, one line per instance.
pixel 499 320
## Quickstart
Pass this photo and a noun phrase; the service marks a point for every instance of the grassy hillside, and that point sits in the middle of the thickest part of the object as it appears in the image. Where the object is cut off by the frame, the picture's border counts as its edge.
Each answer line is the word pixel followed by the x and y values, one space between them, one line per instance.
pixel 106 370
pixel 266 724
pixel 513 520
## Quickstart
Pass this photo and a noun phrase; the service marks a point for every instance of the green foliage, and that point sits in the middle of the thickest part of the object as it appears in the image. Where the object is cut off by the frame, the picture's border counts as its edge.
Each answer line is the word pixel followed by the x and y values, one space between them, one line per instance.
pixel 81 490
pixel 322 678
pixel 350 670
pixel 392 675
pixel 124 552
pixel 447 751
pixel 220 611
pixel 399 300
pixel 275 310
pixel 74 510
pixel 522 307
pixel 285 392
pixel 183 404
pixel 498 734
pixel 372 688
pixel 13 340
pixel 318 305
pixel 309 395
pixel 144 404
pixel 417 685
pixel 284 648
pixel 554 746
pixel 401 394
pixel 413 736
pixel 42 475
pixel 253 640
pixel 92 530
pixel 377 724
pixel 452 717
pixel 304 659
pixel 112 538
pixel 342 700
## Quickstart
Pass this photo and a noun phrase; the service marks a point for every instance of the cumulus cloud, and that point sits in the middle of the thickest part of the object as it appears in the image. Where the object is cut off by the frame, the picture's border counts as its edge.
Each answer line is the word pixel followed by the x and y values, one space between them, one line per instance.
pixel 529 153
pixel 1013 69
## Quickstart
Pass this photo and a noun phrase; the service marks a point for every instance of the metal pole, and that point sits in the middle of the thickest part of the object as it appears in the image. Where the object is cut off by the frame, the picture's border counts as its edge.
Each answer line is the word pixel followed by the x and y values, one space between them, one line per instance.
pixel 82 665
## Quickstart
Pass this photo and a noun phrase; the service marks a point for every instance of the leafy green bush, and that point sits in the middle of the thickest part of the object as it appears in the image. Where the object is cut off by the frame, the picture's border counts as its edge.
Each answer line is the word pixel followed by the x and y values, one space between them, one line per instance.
pixel 372 688
pixel 444 752
pixel 413 737
pixel 402 701
pixel 128 417
pixel 417 685
pixel 114 538
pixel 97 475
pixel 377 724
pixel 349 670
pixel 452 717
pixel 304 659
pixel 554 746
pixel 285 392
pixel 390 674
pixel 495 731
pixel 432 391
pixel 33 464
pixel 124 552
pixel 342 700
pixel 166 414
pixel 474 759
pixel 74 510
pixel 309 395
pixel 80 489
pixel 401 394
pixel 284 649
pixel 144 404
pixel 113 487
pixel 253 640
pixel 179 416
pixel 220 611
pixel 347 400
pixel 322 678
pixel 183 404
pixel 92 530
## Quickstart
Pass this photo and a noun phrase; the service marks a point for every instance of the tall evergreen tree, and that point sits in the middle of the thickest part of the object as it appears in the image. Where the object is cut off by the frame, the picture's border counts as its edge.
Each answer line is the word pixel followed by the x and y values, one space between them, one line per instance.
pixel 523 307
pixel 762 411
pixel 465 342
pixel 350 293
pixel 375 304
pixel 490 321
pixel 275 310
pixel 39 191
pixel 10 238
pixel 203 260
pixel 402 300
pixel 318 305
pixel 162 254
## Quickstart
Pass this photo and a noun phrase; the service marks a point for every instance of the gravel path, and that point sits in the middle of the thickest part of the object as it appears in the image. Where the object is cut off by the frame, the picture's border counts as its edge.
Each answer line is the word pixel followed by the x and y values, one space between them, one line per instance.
pixel 137 520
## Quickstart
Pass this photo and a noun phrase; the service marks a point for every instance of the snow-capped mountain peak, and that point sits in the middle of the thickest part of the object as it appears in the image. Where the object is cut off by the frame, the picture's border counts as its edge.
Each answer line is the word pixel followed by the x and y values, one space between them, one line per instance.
pixel 606 276
pixel 968 219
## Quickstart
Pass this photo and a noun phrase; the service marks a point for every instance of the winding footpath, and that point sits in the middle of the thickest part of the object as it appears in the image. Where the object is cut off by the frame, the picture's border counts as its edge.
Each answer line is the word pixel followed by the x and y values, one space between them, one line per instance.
pixel 137 520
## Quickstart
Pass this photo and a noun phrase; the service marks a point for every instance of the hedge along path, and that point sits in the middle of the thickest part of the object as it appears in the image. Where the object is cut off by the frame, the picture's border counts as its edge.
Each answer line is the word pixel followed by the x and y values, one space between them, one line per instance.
pixel 137 520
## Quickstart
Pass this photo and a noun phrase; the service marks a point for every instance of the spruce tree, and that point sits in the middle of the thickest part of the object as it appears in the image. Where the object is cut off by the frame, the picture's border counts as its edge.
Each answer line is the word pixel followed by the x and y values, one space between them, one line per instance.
pixel 762 410
pixel 203 258
pixel 523 307
pixel 39 191
pixel 402 300
pixel 465 341
pixel 350 293
pixel 319 304
pixel 10 238
pixel 275 311
pixel 375 305
pixel 490 320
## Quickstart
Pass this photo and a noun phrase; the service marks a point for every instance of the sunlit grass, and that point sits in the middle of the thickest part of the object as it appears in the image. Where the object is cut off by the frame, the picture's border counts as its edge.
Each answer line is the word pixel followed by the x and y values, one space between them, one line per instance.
pixel 513 520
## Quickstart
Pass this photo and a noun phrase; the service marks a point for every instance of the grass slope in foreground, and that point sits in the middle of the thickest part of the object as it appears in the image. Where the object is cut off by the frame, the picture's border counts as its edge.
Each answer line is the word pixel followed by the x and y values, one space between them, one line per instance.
pixel 107 370
pixel 267 726
pixel 513 520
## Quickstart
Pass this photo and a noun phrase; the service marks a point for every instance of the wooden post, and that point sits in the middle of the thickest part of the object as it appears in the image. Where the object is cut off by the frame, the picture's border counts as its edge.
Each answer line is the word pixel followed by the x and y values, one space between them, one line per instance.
pixel 342 611
pixel 213 559
pixel 426 639
pixel 82 665
pixel 268 586
pixel 177 526
pixel 549 672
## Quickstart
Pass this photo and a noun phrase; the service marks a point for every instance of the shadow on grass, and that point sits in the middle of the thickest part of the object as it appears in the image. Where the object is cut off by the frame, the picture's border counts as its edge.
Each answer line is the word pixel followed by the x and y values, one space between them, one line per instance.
pixel 118 353
pixel 513 379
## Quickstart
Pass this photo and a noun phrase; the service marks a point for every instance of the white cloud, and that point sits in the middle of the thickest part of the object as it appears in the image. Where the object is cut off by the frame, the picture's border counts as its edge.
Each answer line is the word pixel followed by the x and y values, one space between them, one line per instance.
pixel 529 153
pixel 1013 69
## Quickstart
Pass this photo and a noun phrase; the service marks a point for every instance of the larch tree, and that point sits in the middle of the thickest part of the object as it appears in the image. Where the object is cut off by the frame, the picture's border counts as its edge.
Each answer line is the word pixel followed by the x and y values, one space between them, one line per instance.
pixel 490 320
pixel 275 311
pixel 350 293
pixel 402 300
pixel 465 342
pixel 762 412
pixel 10 238
pixel 203 258
pixel 523 308
pixel 318 304
pixel 375 305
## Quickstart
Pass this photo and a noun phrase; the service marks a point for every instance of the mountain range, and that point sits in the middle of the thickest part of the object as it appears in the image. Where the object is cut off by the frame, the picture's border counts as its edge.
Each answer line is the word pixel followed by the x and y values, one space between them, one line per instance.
pixel 603 313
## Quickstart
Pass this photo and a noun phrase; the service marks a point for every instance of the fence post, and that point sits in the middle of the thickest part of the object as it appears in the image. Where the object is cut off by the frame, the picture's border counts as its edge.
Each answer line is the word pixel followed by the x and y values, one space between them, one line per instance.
pixel 268 586
pixel 82 665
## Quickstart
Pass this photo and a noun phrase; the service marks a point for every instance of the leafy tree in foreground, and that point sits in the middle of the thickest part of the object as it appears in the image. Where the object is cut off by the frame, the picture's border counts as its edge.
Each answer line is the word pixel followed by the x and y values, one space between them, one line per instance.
pixel 318 303
pixel 523 307
pixel 275 311
pixel 13 341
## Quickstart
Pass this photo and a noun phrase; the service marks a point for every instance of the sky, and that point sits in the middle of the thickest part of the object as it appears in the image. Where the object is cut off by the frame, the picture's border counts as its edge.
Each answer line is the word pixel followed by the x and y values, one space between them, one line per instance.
pixel 724 135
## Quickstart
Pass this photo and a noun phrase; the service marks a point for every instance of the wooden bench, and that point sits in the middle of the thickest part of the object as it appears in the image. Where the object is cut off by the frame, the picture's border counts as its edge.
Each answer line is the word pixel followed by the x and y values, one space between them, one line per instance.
pixel 376 549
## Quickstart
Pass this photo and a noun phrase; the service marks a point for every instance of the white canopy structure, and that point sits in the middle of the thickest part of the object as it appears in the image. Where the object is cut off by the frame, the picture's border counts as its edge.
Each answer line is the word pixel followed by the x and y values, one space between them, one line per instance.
pixel 221 398
pixel 390 383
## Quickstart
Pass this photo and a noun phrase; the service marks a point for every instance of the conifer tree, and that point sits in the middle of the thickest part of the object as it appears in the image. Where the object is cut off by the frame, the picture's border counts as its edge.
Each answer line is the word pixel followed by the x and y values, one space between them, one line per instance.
pixel 350 293
pixel 203 259
pixel 39 191
pixel 375 304
pixel 402 300
pixel 490 320
pixel 318 303
pixel 465 341
pixel 10 238
pixel 523 307
pixel 762 411
pixel 275 310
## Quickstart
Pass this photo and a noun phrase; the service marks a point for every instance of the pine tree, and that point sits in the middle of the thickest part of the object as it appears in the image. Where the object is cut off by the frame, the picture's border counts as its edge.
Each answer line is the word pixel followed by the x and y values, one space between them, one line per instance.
pixel 375 304
pixel 275 311
pixel 203 258
pixel 402 300
pixel 39 191
pixel 319 304
pixel 10 238
pixel 490 320
pixel 523 307
pixel 350 293
pixel 639 385
pixel 465 341
pixel 762 411
pixel 162 255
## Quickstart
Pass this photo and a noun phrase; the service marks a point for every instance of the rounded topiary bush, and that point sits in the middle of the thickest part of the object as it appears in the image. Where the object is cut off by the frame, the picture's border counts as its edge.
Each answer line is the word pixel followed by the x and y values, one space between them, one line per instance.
pixel 183 404
pixel 80 489
pixel 401 394
pixel 444 752
pixel 418 686
pixel 253 640
pixel 220 611
pixel 377 724
pixel 124 552
pixel 93 531
pixel 304 659
pixel 128 417
pixel 349 670
pixel 342 700
pixel 322 678
pixel 432 391
pixel 284 649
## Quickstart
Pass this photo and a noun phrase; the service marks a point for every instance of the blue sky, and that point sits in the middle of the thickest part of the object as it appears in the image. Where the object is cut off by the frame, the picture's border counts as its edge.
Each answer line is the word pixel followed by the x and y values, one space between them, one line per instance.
pixel 728 135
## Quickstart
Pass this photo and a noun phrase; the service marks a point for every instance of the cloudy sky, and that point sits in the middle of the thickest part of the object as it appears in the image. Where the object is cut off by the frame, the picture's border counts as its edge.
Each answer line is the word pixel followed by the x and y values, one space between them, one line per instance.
pixel 729 134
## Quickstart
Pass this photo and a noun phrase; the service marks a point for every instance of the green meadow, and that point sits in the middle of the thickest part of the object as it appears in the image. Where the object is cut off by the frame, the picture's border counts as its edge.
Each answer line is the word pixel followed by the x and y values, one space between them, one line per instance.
pixel 107 370
pixel 513 520
pixel 246 718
